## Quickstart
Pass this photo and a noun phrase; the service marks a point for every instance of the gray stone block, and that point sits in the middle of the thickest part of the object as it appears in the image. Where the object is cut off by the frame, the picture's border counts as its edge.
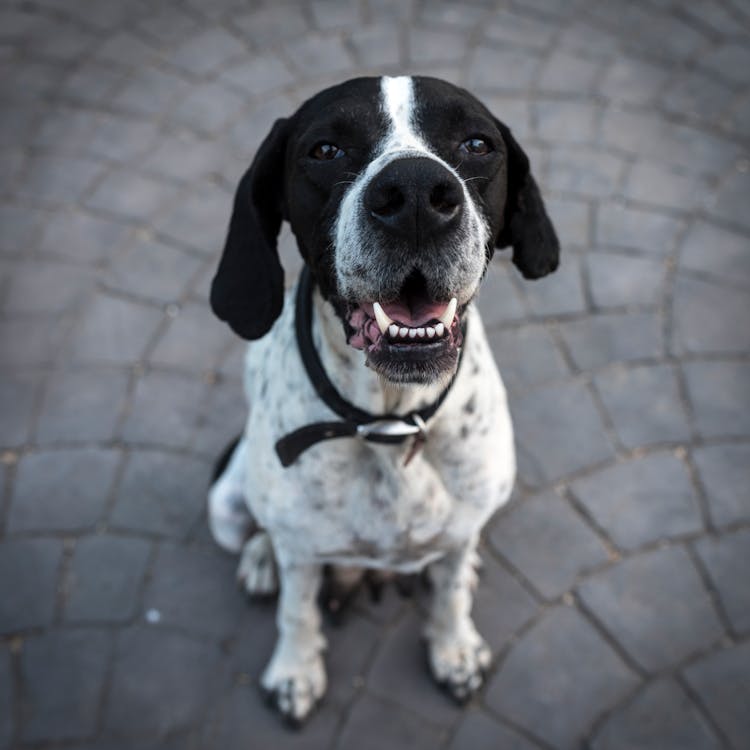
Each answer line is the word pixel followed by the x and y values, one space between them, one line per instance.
pixel 655 605
pixel 559 430
pixel 161 493
pixel 701 312
pixel 584 172
pixel 649 231
pixel 642 500
pixel 625 280
pixel 548 543
pixel 527 356
pixel 499 301
pixel 28 584
pixel 533 685
pixel 164 410
pixel 644 405
pixel 501 69
pixel 65 490
pixel 479 731
pixel 727 559
pixel 397 728
pixel 722 680
pixel 6 699
pixel 17 399
pixel 82 405
pixel 558 294
pixel 565 73
pixel 195 589
pixel 130 196
pixel 152 270
pixel 81 237
pixel 207 51
pixel 605 339
pixel 715 389
pixel 725 474
pixel 64 673
pixel 113 331
pixel 501 605
pixel 162 681
pixel 661 717
pixel 199 219
pixel 105 578
pixel 728 258
pixel 58 179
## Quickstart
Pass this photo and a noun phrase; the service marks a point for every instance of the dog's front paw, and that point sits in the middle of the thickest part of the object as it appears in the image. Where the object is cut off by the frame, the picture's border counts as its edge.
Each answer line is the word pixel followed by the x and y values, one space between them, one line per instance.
pixel 256 573
pixel 295 691
pixel 458 664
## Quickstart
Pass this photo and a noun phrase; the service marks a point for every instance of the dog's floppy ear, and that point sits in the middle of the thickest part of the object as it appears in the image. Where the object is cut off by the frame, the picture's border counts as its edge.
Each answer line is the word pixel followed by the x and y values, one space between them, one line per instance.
pixel 248 289
pixel 527 227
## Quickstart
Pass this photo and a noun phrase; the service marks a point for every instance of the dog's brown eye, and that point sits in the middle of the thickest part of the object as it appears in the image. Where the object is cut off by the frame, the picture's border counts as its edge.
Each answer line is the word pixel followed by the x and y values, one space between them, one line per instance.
pixel 476 146
pixel 326 152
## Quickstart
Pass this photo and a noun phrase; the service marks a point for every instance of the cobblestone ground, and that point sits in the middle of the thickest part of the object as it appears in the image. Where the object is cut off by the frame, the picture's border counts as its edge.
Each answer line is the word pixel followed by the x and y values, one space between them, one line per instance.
pixel 615 591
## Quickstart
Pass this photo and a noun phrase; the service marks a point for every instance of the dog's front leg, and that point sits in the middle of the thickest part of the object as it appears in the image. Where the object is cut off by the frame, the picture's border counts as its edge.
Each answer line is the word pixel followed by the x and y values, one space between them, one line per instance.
pixel 295 678
pixel 458 655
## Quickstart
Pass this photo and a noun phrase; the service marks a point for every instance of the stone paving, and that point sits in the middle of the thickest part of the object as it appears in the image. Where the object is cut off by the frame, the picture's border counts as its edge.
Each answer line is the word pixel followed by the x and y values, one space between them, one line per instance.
pixel 615 591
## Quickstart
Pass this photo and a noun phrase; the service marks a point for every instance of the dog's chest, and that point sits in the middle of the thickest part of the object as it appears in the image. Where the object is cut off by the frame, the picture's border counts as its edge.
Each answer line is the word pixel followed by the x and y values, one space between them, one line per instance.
pixel 371 508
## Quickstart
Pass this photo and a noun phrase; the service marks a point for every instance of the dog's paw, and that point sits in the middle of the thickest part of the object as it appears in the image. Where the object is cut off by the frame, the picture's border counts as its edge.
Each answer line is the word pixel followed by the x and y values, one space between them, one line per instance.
pixel 459 664
pixel 295 692
pixel 256 573
pixel 229 520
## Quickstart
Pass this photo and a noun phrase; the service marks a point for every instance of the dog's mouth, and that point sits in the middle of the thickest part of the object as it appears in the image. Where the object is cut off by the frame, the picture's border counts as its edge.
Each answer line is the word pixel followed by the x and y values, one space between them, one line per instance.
pixel 410 339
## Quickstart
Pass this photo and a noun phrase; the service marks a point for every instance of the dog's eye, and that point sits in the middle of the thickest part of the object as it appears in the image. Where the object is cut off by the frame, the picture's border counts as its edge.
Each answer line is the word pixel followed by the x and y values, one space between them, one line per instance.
pixel 476 146
pixel 326 152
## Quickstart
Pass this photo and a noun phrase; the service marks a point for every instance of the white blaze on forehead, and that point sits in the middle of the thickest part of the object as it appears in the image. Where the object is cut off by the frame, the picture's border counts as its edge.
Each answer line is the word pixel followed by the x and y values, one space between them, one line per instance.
pixel 398 103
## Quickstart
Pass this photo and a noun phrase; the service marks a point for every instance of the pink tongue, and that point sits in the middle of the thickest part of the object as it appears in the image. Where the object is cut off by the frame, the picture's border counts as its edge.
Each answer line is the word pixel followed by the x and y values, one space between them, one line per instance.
pixel 417 315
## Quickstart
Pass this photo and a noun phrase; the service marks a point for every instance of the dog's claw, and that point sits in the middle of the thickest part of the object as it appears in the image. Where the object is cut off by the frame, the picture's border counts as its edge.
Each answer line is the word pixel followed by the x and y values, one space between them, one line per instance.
pixel 460 669
pixel 295 700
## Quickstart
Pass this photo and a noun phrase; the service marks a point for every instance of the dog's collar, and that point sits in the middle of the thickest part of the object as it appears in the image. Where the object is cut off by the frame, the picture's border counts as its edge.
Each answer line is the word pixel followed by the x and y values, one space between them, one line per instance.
pixel 386 428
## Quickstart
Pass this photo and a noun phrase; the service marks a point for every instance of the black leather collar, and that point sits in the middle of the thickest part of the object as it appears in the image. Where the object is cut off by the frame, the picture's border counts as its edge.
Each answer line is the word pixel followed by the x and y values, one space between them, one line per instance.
pixel 385 428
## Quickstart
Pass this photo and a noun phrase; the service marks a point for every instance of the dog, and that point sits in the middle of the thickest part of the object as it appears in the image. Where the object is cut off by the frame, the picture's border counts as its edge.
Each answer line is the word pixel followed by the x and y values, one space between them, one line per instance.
pixel 378 435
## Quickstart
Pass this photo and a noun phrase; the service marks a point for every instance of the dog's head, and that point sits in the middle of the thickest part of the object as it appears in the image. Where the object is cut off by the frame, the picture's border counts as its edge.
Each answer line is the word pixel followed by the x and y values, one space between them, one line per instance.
pixel 397 190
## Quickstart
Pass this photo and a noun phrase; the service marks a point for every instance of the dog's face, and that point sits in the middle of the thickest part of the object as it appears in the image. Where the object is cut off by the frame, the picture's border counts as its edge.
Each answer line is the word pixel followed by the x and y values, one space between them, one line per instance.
pixel 397 190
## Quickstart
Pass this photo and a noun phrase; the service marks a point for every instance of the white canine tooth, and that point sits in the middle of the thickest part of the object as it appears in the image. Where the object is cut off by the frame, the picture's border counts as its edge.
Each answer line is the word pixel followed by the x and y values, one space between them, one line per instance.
pixel 439 329
pixel 450 312
pixel 412 333
pixel 402 332
pixel 383 320
pixel 393 330
pixel 420 333
pixel 430 332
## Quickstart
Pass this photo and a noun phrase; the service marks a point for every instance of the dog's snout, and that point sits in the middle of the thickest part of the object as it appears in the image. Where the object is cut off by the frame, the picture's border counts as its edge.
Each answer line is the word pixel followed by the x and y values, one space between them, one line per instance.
pixel 414 198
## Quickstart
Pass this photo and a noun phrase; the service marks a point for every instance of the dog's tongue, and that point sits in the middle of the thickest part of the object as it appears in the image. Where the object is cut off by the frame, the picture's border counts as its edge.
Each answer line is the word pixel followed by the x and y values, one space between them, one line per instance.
pixel 416 313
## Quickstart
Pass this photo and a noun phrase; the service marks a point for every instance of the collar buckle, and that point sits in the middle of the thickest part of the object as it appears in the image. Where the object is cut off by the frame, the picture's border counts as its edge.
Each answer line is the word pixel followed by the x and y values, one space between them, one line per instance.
pixel 390 428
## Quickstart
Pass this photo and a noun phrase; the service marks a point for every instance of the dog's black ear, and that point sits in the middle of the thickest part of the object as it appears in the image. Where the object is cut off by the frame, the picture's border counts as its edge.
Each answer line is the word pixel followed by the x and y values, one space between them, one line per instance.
pixel 527 227
pixel 248 289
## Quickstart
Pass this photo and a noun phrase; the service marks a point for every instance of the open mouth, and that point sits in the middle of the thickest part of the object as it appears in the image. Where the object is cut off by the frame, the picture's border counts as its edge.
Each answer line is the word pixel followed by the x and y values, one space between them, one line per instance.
pixel 411 339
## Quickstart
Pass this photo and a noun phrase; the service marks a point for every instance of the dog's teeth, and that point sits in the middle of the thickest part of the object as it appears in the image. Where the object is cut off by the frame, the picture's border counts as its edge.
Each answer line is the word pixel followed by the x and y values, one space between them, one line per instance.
pixel 393 330
pixel 450 312
pixel 439 329
pixel 403 332
pixel 430 331
pixel 383 320
pixel 412 333
pixel 420 333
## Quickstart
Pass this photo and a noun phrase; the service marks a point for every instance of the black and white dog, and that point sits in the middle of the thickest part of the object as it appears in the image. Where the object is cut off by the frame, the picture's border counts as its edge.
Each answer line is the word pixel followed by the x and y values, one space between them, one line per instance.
pixel 378 435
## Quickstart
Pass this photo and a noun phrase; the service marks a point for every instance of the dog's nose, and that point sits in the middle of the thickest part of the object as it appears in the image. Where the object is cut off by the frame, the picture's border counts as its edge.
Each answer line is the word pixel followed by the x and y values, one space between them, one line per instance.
pixel 414 198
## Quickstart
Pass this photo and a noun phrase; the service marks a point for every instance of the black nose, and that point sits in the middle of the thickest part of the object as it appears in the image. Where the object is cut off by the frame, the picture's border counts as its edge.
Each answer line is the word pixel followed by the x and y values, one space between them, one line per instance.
pixel 414 198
